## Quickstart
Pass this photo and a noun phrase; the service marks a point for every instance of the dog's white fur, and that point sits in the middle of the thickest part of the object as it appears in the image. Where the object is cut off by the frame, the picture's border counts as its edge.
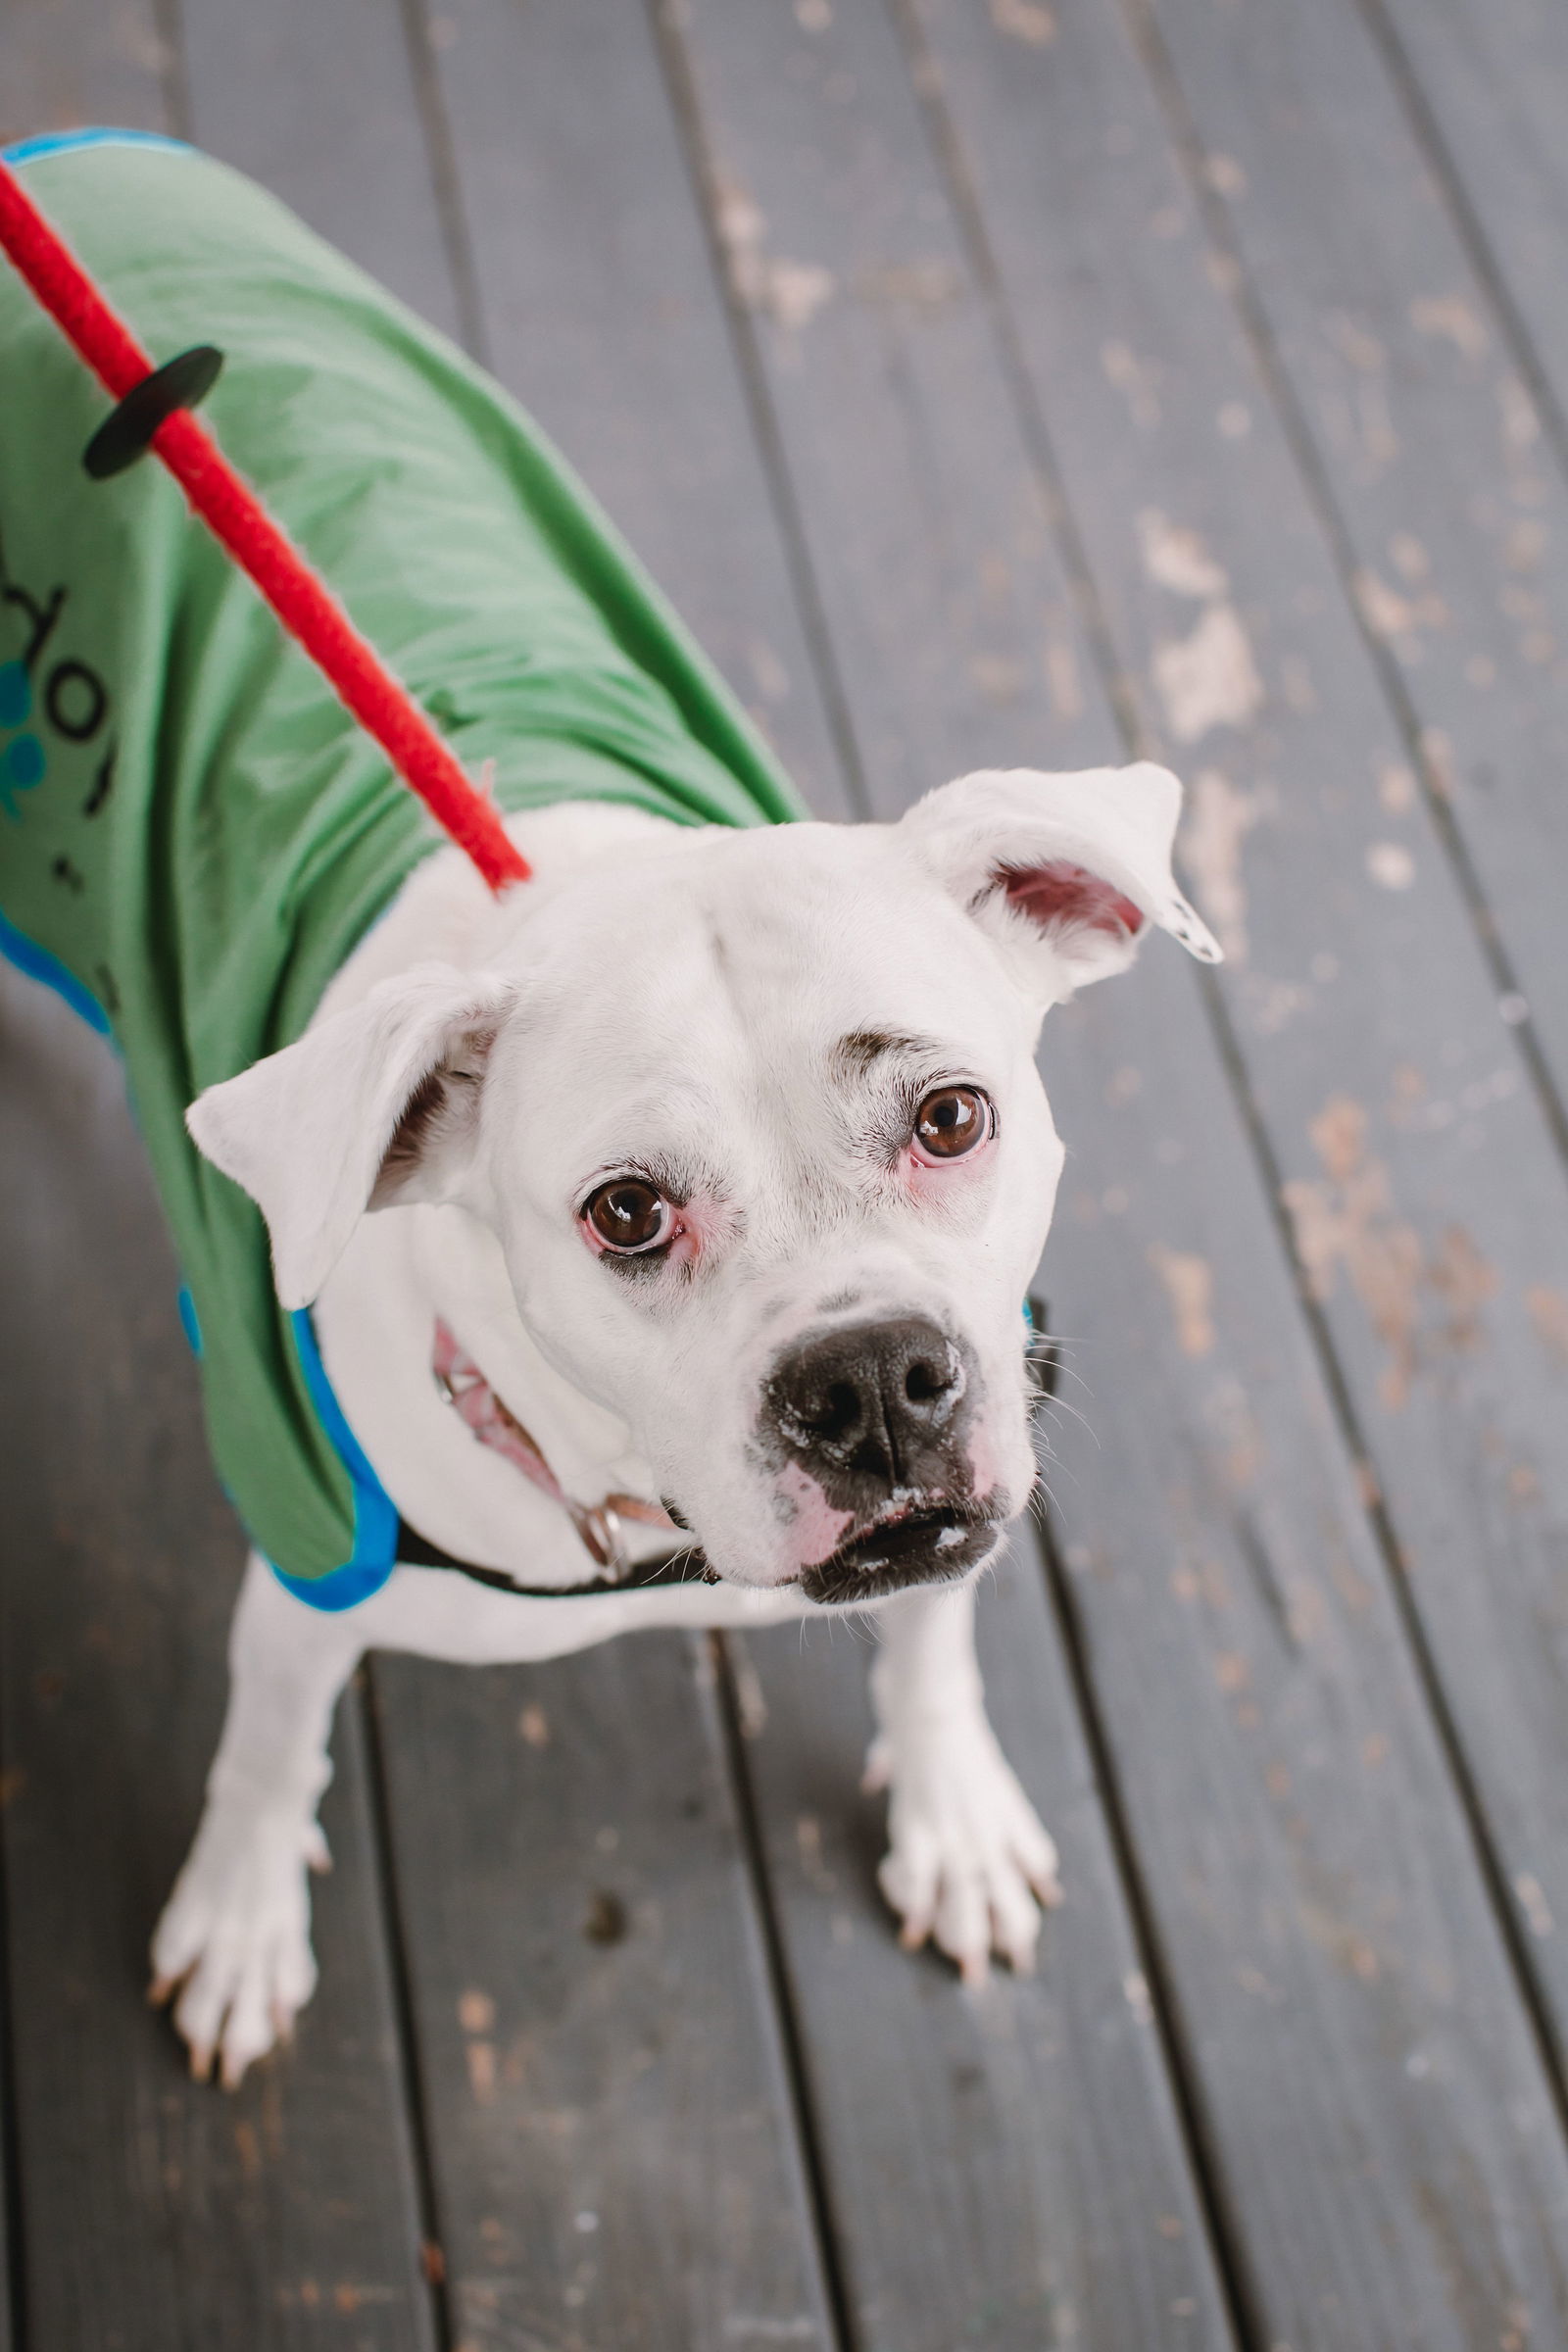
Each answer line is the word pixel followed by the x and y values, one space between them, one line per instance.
pixel 664 998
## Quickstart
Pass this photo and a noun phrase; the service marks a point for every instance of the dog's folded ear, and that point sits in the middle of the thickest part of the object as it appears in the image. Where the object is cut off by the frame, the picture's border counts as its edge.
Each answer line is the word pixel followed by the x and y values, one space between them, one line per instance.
pixel 1064 871
pixel 376 1105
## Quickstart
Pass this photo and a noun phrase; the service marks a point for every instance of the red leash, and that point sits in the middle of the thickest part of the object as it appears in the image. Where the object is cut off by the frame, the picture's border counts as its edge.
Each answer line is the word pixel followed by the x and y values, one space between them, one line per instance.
pixel 303 602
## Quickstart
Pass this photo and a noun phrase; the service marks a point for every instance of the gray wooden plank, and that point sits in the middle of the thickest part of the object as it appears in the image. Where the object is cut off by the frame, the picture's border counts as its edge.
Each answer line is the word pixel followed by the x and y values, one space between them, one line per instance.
pixel 1426 1191
pixel 49 84
pixel 1493 81
pixel 1004 2165
pixel 993 2152
pixel 13 2283
pixel 891 328
pixel 1352 2020
pixel 1329 1940
pixel 1449 499
pixel 613 2125
pixel 292 2219
pixel 156 2211
pixel 346 149
pixel 622 352
pixel 320 102
pixel 12 2286
pixel 56 79
pixel 637 2079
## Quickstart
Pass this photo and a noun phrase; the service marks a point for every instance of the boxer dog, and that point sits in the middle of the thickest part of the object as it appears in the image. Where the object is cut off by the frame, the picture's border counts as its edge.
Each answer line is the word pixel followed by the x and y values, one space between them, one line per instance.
pixel 709 1171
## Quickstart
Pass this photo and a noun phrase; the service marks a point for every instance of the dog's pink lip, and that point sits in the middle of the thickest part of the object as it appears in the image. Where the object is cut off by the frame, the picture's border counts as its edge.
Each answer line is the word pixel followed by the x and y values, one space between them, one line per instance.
pixel 876 1563
pixel 817 1523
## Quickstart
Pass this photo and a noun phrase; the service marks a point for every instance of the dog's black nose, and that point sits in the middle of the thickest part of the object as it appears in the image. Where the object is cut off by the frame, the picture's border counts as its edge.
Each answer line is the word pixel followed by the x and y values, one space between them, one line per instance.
pixel 871 1409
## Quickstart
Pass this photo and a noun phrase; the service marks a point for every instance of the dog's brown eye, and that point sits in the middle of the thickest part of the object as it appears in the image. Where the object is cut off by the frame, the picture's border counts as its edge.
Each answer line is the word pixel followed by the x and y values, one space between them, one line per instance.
pixel 628 1215
pixel 950 1121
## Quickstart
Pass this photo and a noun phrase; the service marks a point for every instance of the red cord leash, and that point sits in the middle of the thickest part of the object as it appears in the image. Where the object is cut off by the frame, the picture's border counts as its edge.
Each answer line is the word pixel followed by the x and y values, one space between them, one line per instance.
pixel 231 511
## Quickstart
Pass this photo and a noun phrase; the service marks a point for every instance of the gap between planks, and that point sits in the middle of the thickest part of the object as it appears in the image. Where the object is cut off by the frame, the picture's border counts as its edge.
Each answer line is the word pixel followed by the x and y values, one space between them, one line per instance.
pixel 681 85
pixel 172 74
pixel 435 129
pixel 754 1855
pixel 407 2068
pixel 1243 2304
pixel 13 2209
pixel 1429 138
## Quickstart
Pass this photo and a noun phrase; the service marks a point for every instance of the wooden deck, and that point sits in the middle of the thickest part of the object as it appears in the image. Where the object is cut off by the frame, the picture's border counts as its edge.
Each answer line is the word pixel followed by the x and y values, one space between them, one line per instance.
pixel 986 380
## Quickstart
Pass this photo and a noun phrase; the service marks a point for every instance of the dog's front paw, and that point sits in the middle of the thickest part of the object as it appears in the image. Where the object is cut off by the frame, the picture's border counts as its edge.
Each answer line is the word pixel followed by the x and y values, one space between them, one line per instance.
pixel 234 1938
pixel 968 1862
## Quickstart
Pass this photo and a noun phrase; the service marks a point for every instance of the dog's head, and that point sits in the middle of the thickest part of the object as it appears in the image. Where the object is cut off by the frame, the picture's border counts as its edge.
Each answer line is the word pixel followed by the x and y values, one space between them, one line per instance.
pixel 754 1118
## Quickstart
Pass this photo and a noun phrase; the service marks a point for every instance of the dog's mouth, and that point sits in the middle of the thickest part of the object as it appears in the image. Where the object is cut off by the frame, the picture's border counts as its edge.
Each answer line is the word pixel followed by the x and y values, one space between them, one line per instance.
pixel 909 1548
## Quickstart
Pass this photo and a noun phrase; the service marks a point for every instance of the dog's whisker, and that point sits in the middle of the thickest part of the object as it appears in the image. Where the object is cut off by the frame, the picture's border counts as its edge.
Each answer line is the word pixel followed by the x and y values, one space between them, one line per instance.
pixel 1044 1502
pixel 1071 1371
pixel 1053 1343
pixel 1063 1404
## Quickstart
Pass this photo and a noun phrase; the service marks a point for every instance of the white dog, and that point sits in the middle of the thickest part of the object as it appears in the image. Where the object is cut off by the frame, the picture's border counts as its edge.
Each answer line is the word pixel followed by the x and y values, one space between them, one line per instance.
pixel 714 1164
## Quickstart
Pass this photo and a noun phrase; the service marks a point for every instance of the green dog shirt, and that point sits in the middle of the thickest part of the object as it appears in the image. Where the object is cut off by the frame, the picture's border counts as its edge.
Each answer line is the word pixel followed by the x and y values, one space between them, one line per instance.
pixel 193 833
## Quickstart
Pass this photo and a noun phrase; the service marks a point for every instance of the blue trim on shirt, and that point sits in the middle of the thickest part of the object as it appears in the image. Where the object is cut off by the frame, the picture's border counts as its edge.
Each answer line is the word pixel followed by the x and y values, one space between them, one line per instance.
pixel 65 142
pixel 38 964
pixel 190 1320
pixel 375 1514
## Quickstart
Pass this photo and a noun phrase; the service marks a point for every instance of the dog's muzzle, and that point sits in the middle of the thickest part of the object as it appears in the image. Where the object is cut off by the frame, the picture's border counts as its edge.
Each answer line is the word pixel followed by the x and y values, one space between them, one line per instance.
pixel 878 1416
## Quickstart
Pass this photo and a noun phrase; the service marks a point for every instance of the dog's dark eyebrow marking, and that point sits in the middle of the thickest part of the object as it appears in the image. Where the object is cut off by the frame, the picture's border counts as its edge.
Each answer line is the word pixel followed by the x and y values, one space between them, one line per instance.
pixel 858 1052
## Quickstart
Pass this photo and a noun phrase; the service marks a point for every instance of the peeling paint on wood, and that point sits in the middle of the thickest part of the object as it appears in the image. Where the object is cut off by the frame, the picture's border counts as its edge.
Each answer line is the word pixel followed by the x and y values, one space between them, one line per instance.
pixel 1208 679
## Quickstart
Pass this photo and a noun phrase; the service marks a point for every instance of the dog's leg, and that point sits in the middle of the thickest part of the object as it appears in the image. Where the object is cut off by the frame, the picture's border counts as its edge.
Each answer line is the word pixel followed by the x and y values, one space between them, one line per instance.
pixel 235 1935
pixel 967 1861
